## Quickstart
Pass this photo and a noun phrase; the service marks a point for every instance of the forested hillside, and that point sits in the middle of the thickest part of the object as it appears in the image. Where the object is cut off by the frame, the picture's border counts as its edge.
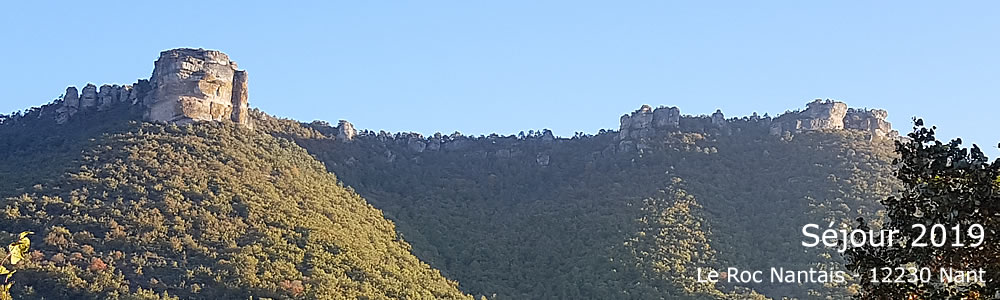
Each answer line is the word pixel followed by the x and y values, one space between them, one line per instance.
pixel 130 210
pixel 135 210
pixel 535 218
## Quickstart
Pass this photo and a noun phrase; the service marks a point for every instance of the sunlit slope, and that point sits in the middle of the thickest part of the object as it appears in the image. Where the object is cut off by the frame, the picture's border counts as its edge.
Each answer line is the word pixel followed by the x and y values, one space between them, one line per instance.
pixel 142 211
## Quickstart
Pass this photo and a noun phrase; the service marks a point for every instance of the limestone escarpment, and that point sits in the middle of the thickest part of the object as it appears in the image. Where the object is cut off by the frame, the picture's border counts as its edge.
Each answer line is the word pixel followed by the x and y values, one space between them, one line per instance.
pixel 187 85
pixel 639 131
pixel 872 120
pixel 834 115
pixel 646 121
pixel 194 85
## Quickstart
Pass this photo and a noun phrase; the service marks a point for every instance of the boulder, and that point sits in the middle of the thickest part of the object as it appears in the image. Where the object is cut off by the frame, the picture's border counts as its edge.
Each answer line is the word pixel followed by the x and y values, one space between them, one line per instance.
pixel 542 159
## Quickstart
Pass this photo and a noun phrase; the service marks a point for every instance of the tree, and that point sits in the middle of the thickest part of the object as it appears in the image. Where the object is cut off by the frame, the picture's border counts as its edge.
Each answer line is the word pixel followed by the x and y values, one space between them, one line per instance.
pixel 943 183
pixel 16 252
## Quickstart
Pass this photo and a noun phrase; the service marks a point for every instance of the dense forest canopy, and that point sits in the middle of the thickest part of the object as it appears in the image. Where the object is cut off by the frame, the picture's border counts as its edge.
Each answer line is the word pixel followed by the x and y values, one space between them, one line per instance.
pixel 135 210
pixel 950 191
pixel 127 210
pixel 525 217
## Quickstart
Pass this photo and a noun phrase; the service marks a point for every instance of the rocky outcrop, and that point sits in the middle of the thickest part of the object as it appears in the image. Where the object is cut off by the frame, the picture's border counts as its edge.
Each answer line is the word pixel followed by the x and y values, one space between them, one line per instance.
pixel 833 115
pixel 71 98
pixel 104 97
pixel 187 85
pixel 193 85
pixel 88 98
pixel 872 121
pixel 346 131
pixel 637 128
pixel 718 119
pixel 70 105
pixel 819 115
pixel 645 121
pixel 240 98
pixel 123 93
pixel 666 117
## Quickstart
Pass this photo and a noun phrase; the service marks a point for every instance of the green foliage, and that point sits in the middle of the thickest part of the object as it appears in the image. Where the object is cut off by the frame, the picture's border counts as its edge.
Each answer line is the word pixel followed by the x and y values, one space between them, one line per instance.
pixel 943 183
pixel 671 243
pixel 141 211
pixel 16 252
pixel 507 225
pixel 148 211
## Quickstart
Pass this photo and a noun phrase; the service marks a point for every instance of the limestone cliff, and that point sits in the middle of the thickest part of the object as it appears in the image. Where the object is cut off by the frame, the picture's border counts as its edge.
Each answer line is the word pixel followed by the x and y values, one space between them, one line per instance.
pixel 834 115
pixel 346 131
pixel 191 85
pixel 187 85
pixel 646 121
pixel 196 85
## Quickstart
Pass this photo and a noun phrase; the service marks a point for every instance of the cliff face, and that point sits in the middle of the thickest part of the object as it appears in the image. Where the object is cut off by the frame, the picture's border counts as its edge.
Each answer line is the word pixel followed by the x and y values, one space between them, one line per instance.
pixel 195 85
pixel 869 120
pixel 190 85
pixel 834 115
pixel 646 121
pixel 187 85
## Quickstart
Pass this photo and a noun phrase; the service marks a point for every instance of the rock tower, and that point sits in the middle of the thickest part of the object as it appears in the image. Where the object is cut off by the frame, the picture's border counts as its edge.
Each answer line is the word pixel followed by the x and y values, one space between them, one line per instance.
pixel 197 85
pixel 188 85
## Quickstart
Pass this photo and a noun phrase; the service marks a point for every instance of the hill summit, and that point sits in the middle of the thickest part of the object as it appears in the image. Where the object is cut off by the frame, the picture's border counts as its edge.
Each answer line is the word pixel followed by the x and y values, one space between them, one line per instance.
pixel 152 210
pixel 187 85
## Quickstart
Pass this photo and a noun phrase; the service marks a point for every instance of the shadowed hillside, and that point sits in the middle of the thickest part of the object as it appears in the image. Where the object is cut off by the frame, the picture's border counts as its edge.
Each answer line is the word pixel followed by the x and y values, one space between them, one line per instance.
pixel 536 217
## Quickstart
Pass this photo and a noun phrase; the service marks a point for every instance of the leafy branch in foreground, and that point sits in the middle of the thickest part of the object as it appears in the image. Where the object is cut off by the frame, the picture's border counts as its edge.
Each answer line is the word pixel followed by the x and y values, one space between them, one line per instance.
pixel 16 252
pixel 947 184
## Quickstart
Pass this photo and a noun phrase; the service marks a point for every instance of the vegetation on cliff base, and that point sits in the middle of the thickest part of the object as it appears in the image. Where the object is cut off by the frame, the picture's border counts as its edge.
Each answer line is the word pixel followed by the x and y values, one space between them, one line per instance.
pixel 947 184
pixel 140 211
pixel 148 211
pixel 488 212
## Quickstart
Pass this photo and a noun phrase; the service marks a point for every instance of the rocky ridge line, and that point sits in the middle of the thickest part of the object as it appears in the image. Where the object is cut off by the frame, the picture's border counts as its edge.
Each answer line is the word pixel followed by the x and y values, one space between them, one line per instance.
pixel 187 85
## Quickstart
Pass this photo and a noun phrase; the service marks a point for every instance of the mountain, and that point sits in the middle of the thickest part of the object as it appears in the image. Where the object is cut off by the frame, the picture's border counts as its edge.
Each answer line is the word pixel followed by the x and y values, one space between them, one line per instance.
pixel 629 214
pixel 130 210
pixel 172 187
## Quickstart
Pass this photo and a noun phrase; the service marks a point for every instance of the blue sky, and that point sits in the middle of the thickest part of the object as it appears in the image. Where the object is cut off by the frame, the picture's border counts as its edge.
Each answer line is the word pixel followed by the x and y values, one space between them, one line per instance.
pixel 505 66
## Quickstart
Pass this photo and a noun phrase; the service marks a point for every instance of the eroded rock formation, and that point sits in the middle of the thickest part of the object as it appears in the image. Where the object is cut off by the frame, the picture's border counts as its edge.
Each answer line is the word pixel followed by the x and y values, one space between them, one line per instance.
pixel 240 98
pixel 346 131
pixel 718 119
pixel 834 115
pixel 187 85
pixel 819 115
pixel 194 85
pixel 88 98
pixel 872 121
pixel 645 121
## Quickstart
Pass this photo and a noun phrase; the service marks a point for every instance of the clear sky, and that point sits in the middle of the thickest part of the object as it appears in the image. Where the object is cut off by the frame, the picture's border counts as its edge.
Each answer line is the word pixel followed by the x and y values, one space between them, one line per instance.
pixel 505 66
